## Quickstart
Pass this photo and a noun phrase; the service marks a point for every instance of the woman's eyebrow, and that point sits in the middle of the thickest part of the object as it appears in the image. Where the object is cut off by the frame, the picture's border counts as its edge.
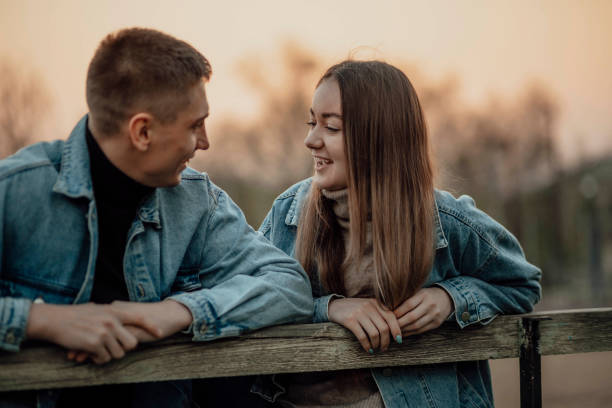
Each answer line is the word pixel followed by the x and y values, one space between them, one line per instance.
pixel 326 115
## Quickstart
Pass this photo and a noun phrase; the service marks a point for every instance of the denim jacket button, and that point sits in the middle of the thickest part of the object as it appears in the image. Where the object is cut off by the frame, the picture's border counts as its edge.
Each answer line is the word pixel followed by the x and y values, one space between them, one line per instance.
pixel 387 372
pixel 141 291
pixel 10 337
pixel 465 316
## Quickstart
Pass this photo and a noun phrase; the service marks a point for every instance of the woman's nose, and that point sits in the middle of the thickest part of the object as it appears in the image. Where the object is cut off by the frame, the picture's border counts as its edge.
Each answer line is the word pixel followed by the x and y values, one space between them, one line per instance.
pixel 313 141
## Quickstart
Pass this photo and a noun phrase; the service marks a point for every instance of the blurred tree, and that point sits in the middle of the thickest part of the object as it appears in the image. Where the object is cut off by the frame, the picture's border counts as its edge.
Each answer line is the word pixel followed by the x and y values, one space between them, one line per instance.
pixel 503 153
pixel 23 104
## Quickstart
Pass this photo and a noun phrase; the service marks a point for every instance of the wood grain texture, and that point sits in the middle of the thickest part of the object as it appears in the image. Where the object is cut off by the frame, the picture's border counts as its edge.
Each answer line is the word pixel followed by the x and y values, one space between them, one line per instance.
pixel 575 331
pixel 299 348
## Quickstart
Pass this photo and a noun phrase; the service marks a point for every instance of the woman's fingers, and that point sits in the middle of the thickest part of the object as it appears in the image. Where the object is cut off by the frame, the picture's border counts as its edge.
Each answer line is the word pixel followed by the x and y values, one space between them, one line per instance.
pixel 409 304
pixel 429 326
pixel 413 316
pixel 372 331
pixel 383 328
pixel 360 334
pixel 395 329
pixel 423 321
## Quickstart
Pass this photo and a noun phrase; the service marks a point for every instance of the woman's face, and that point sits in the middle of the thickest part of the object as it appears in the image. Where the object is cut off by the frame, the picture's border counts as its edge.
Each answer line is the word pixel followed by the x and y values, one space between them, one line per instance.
pixel 326 137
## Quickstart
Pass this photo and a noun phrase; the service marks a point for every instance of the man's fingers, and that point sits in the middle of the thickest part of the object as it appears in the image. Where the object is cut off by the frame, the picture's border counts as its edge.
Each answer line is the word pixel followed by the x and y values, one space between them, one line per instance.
pixel 141 335
pixel 81 356
pixel 112 345
pixel 101 355
pixel 127 340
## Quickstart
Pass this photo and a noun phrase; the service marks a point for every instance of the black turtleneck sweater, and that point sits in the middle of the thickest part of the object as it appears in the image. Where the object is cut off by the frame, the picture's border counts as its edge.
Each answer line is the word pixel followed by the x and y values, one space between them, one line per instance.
pixel 117 199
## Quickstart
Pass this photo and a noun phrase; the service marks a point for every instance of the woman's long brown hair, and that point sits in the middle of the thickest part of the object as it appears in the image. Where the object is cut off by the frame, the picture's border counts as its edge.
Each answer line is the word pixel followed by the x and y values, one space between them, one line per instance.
pixel 390 184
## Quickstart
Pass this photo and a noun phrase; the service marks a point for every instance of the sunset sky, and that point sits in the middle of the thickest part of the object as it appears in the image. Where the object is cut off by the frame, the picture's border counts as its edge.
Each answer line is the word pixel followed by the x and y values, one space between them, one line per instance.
pixel 492 47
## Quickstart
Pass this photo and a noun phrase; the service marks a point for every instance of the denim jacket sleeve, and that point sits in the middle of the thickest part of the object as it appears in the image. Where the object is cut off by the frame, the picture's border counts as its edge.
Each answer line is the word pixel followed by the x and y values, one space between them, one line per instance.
pixel 13 311
pixel 287 243
pixel 13 320
pixel 248 283
pixel 490 274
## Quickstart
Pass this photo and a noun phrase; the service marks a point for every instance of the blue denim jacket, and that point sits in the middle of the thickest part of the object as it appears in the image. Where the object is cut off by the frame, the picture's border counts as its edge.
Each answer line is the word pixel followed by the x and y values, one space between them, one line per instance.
pixel 477 261
pixel 190 243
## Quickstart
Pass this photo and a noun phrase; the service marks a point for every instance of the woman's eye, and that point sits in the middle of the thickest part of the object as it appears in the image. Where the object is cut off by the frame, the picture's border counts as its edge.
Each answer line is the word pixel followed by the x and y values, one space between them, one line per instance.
pixel 332 129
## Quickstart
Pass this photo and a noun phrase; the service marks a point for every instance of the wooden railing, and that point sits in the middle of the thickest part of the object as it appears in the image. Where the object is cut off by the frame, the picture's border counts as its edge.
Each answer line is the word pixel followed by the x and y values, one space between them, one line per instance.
pixel 321 347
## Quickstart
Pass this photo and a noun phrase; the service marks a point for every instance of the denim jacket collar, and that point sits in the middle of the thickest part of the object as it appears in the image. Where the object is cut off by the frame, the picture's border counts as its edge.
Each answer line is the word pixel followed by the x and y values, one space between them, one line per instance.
pixel 74 179
pixel 293 215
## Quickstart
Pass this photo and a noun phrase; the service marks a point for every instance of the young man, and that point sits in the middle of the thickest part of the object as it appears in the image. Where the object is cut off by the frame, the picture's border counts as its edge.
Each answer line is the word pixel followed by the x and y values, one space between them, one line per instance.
pixel 108 239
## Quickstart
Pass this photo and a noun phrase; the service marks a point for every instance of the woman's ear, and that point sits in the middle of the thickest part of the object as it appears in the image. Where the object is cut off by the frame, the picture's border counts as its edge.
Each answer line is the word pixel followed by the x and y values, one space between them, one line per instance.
pixel 140 131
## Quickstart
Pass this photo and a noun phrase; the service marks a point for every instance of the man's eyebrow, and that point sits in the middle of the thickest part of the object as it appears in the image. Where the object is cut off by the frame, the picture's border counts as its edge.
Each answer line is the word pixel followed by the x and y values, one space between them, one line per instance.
pixel 200 119
pixel 326 115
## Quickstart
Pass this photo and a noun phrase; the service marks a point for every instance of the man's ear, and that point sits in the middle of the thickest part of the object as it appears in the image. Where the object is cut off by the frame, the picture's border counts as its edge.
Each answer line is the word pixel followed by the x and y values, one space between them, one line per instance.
pixel 140 130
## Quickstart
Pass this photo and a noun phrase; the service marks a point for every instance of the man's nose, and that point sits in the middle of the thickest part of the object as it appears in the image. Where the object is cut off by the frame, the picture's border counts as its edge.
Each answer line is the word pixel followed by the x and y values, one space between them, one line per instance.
pixel 203 143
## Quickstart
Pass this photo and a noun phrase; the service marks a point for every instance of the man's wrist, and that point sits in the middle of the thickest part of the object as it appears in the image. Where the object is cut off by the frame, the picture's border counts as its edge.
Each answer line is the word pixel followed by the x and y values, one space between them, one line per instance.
pixel 182 312
pixel 36 327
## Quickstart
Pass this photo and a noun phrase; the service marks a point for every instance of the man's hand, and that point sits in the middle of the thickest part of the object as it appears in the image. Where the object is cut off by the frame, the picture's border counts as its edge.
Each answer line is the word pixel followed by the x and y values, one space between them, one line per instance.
pixel 424 311
pixel 368 320
pixel 168 316
pixel 97 330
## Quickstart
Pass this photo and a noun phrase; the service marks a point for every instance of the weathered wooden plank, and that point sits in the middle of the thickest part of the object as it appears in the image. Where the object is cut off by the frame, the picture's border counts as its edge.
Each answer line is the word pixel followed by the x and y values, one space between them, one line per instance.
pixel 575 331
pixel 282 349
pixel 298 348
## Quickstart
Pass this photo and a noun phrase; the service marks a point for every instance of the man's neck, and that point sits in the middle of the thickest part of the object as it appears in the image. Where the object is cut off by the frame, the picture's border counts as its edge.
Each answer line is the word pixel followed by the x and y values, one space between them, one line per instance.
pixel 118 151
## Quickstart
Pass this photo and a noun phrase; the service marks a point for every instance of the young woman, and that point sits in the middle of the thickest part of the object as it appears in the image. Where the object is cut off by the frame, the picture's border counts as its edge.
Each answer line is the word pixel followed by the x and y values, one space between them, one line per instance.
pixel 387 254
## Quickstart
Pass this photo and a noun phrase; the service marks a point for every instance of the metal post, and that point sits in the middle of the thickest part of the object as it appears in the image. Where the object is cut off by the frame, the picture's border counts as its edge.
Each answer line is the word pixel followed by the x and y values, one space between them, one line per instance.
pixel 530 365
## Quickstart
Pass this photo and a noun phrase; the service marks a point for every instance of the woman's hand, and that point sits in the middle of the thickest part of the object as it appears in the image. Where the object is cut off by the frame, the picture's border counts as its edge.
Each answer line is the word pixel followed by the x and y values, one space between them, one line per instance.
pixel 372 324
pixel 424 311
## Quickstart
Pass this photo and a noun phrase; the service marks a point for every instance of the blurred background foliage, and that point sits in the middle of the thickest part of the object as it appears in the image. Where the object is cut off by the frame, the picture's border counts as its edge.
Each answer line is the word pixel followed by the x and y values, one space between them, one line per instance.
pixel 504 154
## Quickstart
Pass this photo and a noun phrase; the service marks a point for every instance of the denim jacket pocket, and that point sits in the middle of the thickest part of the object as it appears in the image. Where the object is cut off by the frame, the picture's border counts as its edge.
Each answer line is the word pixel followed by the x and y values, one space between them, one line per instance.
pixel 468 395
pixel 187 280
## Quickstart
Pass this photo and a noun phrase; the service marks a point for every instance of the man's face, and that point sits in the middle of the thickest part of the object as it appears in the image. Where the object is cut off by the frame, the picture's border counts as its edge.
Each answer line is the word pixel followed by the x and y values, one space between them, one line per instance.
pixel 174 144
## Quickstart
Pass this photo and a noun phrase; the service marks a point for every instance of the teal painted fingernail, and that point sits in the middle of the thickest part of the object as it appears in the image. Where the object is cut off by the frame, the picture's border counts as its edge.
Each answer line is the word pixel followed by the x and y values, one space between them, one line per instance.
pixel 371 351
pixel 398 339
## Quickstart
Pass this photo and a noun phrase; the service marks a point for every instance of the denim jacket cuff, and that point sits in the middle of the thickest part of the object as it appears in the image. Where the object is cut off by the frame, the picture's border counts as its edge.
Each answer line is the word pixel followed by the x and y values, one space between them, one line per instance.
pixel 321 308
pixel 14 314
pixel 204 325
pixel 465 301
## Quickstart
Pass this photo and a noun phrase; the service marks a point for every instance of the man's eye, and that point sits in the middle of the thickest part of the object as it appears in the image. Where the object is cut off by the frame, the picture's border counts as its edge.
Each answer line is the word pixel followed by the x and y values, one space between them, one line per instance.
pixel 311 123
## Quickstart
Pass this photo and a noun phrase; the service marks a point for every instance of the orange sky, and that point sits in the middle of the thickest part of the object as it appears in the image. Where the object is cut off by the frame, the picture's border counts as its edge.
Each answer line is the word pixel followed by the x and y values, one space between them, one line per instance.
pixel 494 47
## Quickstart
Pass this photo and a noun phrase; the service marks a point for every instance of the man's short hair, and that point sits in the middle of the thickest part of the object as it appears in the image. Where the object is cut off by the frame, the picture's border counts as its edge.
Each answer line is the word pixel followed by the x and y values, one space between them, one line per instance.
pixel 139 69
